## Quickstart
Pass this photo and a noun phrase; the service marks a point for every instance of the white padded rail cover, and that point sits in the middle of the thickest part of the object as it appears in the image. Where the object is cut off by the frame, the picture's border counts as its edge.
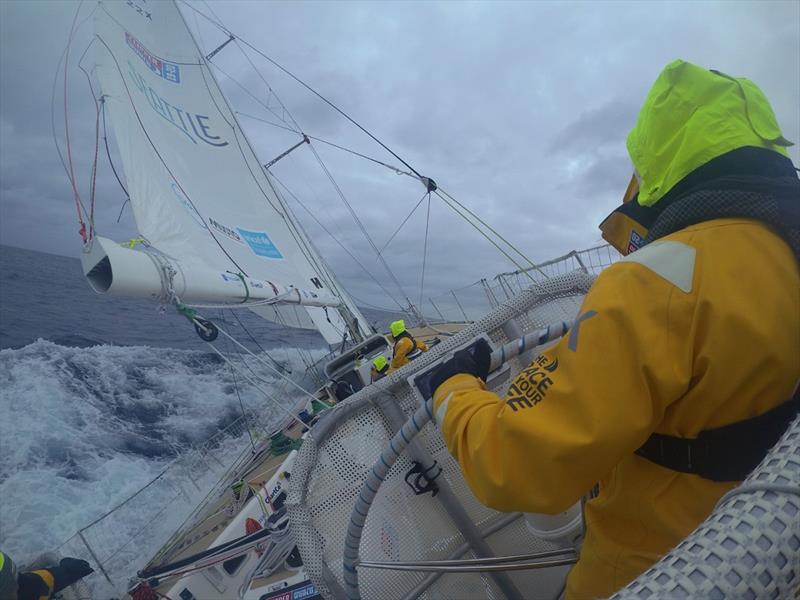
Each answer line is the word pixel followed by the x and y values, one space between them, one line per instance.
pixel 748 548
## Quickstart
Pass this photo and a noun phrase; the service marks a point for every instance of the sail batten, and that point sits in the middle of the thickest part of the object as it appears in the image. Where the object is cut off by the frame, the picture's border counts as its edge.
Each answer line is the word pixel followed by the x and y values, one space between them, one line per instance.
pixel 198 191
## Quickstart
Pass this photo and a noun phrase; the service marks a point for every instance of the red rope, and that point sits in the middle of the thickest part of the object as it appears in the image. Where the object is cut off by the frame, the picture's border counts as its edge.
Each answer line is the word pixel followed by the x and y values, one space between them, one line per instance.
pixel 82 230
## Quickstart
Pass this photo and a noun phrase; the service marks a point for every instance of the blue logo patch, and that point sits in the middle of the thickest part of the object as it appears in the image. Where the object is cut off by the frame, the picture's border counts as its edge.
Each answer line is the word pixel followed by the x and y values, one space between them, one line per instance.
pixel 165 70
pixel 260 243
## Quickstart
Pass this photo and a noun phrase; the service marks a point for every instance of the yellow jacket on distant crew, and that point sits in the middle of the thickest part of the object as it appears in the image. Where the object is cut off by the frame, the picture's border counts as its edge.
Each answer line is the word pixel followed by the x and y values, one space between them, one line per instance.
pixel 665 342
pixel 403 347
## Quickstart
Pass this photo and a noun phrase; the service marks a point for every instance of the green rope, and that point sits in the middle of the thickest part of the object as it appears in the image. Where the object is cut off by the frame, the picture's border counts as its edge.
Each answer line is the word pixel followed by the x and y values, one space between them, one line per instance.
pixel 281 444
pixel 187 311
pixel 244 283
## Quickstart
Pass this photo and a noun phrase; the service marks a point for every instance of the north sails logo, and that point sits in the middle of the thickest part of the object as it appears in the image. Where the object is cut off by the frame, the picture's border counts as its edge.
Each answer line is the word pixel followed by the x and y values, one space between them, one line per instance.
pixel 193 125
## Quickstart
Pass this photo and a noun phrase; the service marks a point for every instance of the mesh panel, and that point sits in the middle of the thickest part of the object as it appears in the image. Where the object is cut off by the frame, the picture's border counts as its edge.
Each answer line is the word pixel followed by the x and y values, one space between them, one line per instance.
pixel 402 526
pixel 748 548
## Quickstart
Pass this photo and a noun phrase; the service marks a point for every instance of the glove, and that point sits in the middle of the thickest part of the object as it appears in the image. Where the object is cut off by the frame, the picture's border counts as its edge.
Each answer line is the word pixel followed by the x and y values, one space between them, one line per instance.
pixel 69 571
pixel 474 360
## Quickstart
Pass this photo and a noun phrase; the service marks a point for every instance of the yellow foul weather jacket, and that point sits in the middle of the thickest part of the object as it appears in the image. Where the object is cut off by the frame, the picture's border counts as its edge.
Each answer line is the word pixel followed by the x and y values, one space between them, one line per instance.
pixel 694 331
pixel 403 347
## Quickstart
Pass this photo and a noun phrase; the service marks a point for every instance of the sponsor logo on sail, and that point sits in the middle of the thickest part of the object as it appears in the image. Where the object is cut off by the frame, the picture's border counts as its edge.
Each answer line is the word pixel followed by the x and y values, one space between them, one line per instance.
pixel 194 126
pixel 228 278
pixel 226 231
pixel 165 70
pixel 260 243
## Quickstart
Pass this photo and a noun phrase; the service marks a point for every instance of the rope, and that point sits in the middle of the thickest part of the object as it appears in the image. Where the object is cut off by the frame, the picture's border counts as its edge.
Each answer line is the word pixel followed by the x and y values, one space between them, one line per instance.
pixel 246 289
pixel 111 162
pixel 255 385
pixel 253 339
pixel 270 367
pixel 93 183
pixel 71 174
pixel 424 253
pixel 241 403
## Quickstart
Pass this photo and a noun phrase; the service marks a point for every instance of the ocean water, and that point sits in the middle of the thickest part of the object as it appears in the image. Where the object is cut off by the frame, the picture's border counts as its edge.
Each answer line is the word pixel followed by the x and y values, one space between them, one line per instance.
pixel 99 395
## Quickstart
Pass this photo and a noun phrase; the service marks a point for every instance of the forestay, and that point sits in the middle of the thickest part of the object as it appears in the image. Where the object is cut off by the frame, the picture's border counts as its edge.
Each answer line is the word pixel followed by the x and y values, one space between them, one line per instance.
pixel 198 192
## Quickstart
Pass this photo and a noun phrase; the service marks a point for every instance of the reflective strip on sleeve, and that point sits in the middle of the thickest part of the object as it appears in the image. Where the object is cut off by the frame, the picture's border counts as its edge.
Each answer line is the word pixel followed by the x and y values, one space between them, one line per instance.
pixel 442 410
pixel 671 260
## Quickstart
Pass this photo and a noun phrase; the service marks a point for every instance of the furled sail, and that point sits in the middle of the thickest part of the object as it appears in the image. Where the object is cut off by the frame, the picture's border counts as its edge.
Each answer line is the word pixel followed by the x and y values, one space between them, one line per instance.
pixel 198 192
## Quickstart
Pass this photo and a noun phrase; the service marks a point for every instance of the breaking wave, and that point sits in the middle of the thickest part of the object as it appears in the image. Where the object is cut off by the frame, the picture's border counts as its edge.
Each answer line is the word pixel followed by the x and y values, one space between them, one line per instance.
pixel 85 426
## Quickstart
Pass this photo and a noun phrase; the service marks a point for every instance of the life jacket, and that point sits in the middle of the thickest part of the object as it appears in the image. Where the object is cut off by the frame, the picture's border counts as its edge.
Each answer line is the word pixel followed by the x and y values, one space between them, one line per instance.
pixel 415 350
pixel 769 194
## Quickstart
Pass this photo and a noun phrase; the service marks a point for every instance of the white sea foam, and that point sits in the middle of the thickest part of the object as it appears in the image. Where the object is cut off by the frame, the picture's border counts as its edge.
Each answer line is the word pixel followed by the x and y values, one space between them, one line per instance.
pixel 84 428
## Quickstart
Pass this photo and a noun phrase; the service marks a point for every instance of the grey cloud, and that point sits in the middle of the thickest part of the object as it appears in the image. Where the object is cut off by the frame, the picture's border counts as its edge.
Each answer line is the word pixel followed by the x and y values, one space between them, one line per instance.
pixel 520 110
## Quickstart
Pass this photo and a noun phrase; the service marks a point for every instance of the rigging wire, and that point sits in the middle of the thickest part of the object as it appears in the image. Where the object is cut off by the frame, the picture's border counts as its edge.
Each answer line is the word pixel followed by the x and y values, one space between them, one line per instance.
pixel 361 226
pixel 329 143
pixel 424 253
pixel 336 239
pixel 413 210
pixel 253 339
pixel 308 87
pixel 325 169
pixel 239 396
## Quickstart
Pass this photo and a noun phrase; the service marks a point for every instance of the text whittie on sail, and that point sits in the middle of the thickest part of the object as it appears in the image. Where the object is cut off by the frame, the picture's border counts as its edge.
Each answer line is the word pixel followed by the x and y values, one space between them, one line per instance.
pixel 200 197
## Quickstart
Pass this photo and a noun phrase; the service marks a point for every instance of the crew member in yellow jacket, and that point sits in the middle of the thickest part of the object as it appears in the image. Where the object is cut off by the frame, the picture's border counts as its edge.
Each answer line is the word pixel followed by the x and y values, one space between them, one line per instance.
pixel 41 584
pixel 696 330
pixel 406 348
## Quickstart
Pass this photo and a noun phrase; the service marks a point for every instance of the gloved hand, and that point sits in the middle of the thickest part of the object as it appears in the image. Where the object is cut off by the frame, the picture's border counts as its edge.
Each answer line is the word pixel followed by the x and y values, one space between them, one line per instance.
pixel 69 571
pixel 473 360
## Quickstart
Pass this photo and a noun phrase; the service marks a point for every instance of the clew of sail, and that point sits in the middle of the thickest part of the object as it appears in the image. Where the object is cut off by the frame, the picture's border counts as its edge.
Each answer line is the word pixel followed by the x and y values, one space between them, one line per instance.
pixel 199 195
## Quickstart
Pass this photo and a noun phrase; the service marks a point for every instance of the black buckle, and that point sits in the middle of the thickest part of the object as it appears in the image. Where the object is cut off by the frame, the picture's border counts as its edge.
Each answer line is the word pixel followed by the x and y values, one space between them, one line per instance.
pixel 423 482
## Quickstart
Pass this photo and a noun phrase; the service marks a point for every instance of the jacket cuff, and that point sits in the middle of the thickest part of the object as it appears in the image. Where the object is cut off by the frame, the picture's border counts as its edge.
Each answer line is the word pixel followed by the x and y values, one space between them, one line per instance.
pixel 456 383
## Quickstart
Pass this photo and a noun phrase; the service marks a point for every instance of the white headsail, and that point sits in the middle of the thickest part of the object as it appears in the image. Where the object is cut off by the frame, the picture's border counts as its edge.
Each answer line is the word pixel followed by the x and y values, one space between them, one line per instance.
pixel 198 192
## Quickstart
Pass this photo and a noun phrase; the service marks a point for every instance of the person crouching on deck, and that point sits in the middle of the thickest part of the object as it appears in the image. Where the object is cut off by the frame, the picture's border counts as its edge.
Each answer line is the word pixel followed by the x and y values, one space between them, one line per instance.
pixel 406 348
pixel 681 370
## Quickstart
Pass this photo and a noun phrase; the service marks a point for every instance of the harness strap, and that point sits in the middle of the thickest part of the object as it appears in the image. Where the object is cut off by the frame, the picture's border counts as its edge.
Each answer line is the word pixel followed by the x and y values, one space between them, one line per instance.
pixel 414 352
pixel 728 453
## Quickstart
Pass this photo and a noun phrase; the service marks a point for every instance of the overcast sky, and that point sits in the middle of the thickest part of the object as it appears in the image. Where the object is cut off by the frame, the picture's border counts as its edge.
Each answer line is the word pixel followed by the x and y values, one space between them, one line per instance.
pixel 520 110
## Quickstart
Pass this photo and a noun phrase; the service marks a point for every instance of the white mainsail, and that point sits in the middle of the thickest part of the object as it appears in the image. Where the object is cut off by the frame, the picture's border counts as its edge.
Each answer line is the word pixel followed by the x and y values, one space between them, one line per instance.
pixel 198 192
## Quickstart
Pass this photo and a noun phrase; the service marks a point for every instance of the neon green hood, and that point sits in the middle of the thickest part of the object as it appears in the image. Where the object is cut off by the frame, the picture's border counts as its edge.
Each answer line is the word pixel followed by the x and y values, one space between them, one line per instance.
pixel 692 116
